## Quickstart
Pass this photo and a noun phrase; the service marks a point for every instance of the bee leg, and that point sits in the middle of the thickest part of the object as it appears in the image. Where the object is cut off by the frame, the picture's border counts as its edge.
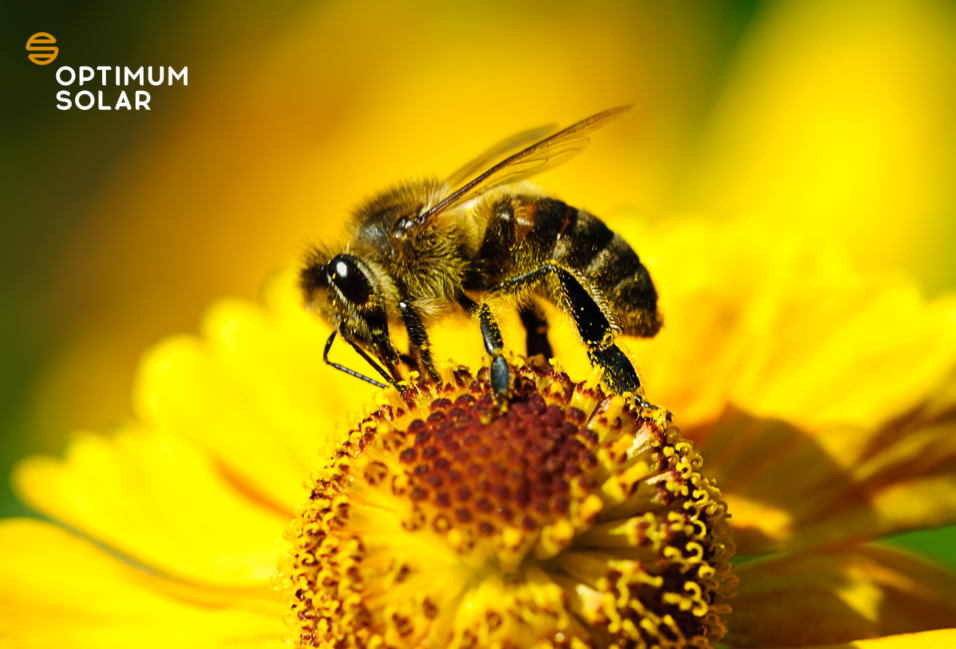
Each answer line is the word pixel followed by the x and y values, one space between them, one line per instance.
pixel 494 346
pixel 536 332
pixel 418 337
pixel 593 325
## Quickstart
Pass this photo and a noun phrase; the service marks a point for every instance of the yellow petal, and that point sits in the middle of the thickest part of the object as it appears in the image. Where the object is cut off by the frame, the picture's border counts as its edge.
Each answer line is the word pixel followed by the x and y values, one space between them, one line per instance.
pixel 789 489
pixel 941 639
pixel 254 391
pixel 839 597
pixel 158 499
pixel 822 400
pixel 779 325
pixel 838 117
pixel 63 592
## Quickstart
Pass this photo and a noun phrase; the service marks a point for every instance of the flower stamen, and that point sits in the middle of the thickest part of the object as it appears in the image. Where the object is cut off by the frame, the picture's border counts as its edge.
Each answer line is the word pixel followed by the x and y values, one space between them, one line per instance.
pixel 571 517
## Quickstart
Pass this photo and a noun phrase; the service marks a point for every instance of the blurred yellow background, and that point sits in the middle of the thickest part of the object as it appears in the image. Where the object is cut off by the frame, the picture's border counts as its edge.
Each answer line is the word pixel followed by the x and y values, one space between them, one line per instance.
pixel 830 116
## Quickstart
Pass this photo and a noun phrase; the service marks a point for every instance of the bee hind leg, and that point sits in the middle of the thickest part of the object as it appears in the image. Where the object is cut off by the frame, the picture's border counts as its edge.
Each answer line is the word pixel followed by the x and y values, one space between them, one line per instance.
pixel 593 324
pixel 536 332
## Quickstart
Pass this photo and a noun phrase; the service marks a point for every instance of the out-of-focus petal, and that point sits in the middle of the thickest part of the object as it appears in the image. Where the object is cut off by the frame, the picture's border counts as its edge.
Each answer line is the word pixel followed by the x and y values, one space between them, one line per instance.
pixel 839 597
pixel 254 390
pixel 63 592
pixel 940 639
pixel 823 400
pixel 779 324
pixel 790 489
pixel 837 117
pixel 159 499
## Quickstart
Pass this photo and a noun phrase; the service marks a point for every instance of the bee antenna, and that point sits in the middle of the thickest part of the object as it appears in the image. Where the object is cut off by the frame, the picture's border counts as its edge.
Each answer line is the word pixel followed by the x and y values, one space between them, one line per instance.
pixel 350 372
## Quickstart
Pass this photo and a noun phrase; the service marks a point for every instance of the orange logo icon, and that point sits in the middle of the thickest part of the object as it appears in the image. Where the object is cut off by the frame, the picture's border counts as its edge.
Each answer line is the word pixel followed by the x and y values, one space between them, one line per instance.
pixel 40 44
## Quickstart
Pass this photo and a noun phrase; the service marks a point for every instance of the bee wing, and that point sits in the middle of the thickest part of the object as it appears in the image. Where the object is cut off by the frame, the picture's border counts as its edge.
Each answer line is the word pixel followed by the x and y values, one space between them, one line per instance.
pixel 548 153
pixel 495 154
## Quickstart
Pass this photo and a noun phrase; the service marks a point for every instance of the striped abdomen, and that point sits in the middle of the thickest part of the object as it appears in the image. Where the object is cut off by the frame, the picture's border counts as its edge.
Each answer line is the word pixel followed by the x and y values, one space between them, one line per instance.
pixel 527 231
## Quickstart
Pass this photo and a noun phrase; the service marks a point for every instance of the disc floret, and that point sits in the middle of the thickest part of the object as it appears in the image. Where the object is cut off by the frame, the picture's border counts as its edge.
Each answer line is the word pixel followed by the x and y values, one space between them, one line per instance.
pixel 565 517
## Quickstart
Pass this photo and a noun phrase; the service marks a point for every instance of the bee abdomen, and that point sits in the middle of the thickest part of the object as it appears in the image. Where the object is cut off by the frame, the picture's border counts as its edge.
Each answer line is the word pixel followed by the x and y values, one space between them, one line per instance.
pixel 525 232
pixel 587 245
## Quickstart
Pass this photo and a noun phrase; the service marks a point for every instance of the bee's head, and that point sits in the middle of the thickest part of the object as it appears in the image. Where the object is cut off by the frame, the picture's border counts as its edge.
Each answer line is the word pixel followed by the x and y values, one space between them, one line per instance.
pixel 340 280
pixel 350 295
pixel 340 288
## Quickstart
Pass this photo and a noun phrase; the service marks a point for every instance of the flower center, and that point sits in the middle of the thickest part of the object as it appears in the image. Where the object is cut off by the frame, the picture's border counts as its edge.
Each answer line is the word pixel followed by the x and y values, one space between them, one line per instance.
pixel 566 516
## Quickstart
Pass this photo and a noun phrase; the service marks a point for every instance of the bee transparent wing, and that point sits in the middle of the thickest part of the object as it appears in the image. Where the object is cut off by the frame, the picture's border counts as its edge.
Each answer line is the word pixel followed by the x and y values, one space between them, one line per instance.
pixel 495 155
pixel 548 153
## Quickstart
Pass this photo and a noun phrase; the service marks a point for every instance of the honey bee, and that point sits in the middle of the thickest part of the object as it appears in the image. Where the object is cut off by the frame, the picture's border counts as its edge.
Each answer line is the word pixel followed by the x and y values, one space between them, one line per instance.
pixel 423 248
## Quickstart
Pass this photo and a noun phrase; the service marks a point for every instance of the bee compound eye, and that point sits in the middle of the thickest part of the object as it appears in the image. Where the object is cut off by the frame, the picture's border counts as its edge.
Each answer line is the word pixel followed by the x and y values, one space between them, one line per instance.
pixel 348 278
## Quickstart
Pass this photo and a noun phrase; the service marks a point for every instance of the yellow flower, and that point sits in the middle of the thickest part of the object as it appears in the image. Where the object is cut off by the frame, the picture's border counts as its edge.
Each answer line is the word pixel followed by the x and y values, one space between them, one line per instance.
pixel 822 402
pixel 570 518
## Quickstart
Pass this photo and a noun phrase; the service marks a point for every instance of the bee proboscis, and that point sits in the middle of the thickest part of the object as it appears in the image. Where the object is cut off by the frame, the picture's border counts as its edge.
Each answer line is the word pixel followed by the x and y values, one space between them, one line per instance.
pixel 423 248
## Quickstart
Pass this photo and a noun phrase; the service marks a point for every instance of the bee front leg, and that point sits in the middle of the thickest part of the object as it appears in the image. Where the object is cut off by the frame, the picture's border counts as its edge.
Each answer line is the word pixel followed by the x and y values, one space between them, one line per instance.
pixel 494 346
pixel 418 337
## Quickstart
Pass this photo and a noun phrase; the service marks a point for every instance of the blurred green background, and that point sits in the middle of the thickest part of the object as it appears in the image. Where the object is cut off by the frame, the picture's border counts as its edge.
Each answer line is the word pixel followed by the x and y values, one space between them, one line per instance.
pixel 119 227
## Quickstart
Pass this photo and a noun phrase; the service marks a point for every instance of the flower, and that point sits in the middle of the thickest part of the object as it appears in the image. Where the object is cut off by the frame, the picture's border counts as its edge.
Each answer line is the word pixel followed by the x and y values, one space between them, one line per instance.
pixel 563 516
pixel 821 401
